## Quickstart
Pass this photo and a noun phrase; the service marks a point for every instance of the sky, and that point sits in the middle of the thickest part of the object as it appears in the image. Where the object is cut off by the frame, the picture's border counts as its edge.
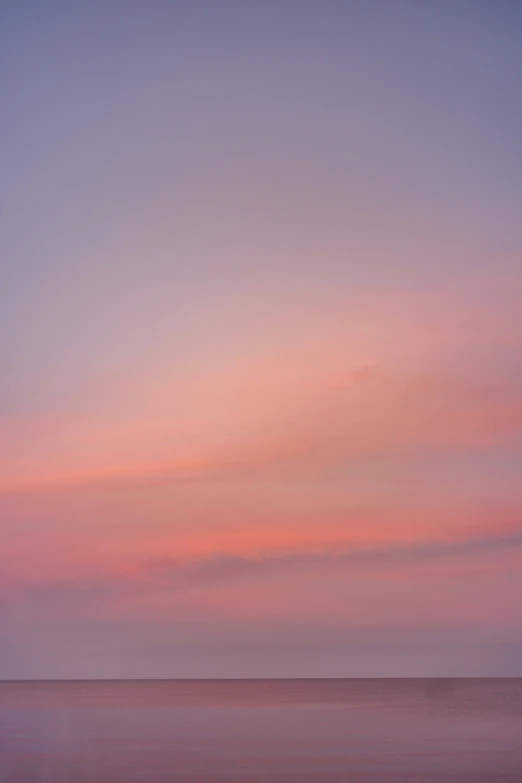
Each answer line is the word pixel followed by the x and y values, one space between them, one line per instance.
pixel 260 338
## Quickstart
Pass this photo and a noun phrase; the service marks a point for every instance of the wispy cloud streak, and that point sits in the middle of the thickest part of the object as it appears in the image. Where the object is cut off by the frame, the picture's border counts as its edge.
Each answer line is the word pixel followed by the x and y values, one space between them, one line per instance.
pixel 224 568
pixel 167 575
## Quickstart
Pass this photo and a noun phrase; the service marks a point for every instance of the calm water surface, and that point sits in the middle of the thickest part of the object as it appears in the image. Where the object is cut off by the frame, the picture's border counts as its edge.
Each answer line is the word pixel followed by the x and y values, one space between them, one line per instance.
pixel 261 731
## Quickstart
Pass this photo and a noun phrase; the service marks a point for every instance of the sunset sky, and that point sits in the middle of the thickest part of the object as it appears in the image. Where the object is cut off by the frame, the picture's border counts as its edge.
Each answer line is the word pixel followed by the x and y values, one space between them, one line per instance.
pixel 260 338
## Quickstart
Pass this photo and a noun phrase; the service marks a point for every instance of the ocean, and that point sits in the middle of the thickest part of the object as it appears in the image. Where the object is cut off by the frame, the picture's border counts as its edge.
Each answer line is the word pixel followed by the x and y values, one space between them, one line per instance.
pixel 262 731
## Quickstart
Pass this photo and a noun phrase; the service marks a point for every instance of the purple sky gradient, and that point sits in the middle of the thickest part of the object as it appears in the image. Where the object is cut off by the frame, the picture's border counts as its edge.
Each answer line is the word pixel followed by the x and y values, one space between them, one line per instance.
pixel 260 339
